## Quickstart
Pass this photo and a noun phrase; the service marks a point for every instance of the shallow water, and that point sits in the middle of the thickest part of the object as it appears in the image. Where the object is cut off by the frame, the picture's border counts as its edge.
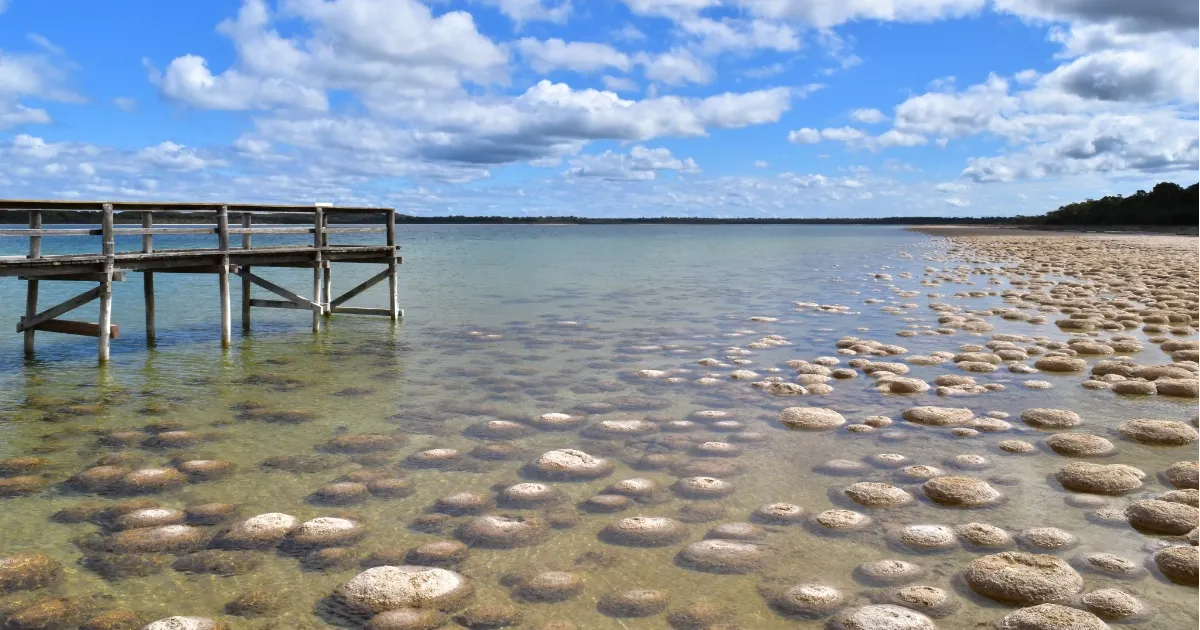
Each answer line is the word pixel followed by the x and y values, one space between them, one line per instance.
pixel 568 315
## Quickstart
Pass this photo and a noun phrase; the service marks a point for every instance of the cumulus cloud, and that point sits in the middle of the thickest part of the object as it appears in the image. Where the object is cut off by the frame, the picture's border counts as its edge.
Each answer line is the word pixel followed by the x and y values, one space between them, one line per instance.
pixel 869 116
pixel 553 54
pixel 639 164
pixel 522 12
pixel 828 13
pixel 676 67
pixel 188 80
pixel 805 135
pixel 957 202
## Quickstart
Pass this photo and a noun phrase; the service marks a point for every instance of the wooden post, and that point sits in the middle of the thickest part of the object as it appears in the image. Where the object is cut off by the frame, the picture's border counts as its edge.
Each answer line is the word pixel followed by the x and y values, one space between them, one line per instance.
pixel 393 304
pixel 148 277
pixel 223 275
pixel 318 243
pixel 108 249
pixel 327 288
pixel 31 285
pixel 246 222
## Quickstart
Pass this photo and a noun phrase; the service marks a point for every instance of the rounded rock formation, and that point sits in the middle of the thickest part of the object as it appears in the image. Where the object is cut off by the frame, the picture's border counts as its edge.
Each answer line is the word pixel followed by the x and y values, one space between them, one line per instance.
pixel 550 586
pixel 1179 564
pixel 633 602
pixel 386 588
pixel 1051 419
pixel 810 600
pixel 873 494
pixel 778 513
pixel 644 531
pixel 264 530
pixel 570 464
pixel 503 531
pixel 1100 478
pixel 1162 517
pixel 715 555
pixel 960 491
pixel 881 617
pixel 811 418
pixel 1158 432
pixel 888 572
pixel 1050 617
pixel 1183 475
pixel 938 416
pixel 1016 577
pixel 1079 445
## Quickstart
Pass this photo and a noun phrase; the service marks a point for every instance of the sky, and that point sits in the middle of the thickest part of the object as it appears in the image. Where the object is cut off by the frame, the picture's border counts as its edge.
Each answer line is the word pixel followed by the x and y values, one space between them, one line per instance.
pixel 711 108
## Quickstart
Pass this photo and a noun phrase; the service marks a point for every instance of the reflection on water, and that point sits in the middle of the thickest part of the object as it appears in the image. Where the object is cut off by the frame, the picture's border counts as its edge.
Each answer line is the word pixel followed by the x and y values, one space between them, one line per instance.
pixel 509 323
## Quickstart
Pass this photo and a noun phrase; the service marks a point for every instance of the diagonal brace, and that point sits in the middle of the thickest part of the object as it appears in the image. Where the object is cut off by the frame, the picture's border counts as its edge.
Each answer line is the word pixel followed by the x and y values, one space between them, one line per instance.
pixel 352 293
pixel 278 290
pixel 55 311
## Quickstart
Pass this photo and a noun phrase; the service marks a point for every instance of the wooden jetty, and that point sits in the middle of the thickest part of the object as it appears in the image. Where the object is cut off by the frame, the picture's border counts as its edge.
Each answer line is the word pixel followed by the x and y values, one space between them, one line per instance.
pixel 224 260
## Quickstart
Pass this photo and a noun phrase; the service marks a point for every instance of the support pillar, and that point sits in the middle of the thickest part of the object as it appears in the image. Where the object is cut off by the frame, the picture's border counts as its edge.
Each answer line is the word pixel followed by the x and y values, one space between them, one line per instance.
pixel 109 250
pixel 31 285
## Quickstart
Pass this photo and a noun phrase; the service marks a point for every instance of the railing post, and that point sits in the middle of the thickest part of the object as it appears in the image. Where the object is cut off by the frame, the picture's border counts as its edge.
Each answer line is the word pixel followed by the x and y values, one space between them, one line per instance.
pixel 393 301
pixel 318 244
pixel 31 285
pixel 148 278
pixel 109 250
pixel 247 220
pixel 223 275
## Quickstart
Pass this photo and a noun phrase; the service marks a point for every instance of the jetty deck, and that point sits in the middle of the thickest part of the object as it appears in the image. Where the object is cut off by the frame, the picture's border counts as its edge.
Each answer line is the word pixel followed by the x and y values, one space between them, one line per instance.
pixel 223 260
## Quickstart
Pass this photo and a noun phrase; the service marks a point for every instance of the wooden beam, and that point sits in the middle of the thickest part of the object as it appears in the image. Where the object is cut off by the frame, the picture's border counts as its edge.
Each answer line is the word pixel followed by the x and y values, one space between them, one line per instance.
pixel 70 327
pixel 32 232
pixel 148 279
pixel 358 310
pixel 108 249
pixel 31 288
pixel 118 276
pixel 367 284
pixel 278 290
pixel 277 304
pixel 59 309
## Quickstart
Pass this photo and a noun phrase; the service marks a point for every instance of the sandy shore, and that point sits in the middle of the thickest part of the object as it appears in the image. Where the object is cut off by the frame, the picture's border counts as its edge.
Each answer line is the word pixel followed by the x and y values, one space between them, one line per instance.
pixel 1002 230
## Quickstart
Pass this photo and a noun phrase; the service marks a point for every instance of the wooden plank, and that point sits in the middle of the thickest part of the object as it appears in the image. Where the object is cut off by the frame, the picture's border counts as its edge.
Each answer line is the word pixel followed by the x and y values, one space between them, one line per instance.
pixel 42 232
pixel 358 310
pixel 367 284
pixel 70 327
pixel 118 276
pixel 59 309
pixel 355 230
pixel 278 290
pixel 147 206
pixel 278 304
pixel 271 230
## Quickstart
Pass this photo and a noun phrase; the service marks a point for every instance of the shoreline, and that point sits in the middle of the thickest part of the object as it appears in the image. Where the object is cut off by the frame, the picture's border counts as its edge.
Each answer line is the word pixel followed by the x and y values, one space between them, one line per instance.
pixel 1055 230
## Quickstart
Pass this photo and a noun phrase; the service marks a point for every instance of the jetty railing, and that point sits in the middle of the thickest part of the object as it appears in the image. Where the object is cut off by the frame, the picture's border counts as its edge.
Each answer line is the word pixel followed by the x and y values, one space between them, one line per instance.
pixel 110 265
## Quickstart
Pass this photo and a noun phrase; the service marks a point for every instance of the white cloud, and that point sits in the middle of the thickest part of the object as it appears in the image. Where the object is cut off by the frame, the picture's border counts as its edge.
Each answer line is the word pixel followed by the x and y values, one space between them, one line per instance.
pixel 806 135
pixel 388 53
pixel 522 12
pixel 956 202
pixel 25 76
pixel 551 54
pixel 950 187
pixel 169 155
pixel 45 43
pixel 842 134
pixel 828 13
pixel 676 67
pixel 868 116
pixel 761 164
pixel 730 35
pixel 765 72
pixel 619 84
pixel 639 164
pixel 125 104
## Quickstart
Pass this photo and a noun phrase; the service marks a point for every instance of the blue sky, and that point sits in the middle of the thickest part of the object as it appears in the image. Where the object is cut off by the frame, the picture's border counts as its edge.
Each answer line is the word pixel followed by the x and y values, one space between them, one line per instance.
pixel 603 107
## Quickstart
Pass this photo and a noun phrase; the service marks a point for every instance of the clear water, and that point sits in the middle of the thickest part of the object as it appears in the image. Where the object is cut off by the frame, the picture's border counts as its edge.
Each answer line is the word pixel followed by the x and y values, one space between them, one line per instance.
pixel 570 305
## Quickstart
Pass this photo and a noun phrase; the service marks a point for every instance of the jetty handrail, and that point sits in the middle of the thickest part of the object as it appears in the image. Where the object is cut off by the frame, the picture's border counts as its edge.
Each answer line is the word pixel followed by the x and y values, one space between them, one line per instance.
pixel 109 231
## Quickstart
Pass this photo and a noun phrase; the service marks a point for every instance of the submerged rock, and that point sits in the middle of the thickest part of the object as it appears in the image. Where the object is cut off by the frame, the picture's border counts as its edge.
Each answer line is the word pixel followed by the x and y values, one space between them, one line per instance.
pixel 1016 577
pixel 880 617
pixel 570 464
pixel 811 418
pixel 1050 617
pixel 25 571
pixel 1100 478
pixel 389 587
pixel 634 602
